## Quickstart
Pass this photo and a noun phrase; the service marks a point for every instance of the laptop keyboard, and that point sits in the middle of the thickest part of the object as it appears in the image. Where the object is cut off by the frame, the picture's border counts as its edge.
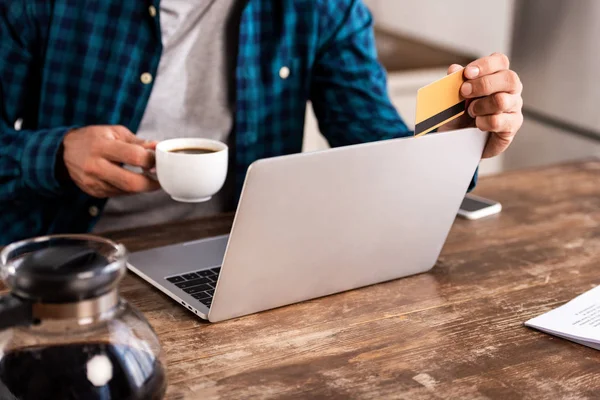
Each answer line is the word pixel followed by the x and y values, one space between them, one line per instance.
pixel 200 284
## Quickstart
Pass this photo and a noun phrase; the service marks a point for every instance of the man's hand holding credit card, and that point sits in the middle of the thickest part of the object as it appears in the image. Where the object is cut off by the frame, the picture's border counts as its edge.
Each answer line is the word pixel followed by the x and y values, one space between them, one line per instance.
pixel 485 94
pixel 439 103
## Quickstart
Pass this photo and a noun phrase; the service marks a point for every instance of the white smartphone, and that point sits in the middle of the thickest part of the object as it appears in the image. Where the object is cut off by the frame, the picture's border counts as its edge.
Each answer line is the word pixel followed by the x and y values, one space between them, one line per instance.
pixel 475 207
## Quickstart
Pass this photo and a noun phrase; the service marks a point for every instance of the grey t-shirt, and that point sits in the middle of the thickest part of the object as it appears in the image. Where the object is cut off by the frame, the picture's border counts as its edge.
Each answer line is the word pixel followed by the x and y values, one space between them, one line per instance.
pixel 193 96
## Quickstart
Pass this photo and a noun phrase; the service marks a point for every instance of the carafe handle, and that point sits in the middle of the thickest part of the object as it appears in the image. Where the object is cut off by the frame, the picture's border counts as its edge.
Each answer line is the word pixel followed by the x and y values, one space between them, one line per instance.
pixel 14 312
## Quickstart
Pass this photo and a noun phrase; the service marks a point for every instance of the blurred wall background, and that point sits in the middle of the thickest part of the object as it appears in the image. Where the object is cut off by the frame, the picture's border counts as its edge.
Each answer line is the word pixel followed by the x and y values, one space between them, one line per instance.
pixel 460 25
pixel 555 50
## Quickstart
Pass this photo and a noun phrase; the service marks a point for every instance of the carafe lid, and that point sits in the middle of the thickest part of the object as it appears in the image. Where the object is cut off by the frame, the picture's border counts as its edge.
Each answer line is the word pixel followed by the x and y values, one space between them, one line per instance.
pixel 62 268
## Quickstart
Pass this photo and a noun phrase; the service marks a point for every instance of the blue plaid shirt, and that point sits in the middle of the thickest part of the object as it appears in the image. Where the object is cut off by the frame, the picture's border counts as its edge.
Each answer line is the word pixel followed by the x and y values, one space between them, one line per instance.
pixel 70 63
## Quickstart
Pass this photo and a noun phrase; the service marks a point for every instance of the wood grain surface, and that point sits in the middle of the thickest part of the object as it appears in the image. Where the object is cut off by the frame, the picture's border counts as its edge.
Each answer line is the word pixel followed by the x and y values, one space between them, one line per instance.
pixel 455 332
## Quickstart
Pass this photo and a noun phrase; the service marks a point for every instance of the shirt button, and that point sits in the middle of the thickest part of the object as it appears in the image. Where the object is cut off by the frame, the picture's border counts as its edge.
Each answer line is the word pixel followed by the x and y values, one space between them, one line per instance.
pixel 284 72
pixel 94 211
pixel 146 78
pixel 152 11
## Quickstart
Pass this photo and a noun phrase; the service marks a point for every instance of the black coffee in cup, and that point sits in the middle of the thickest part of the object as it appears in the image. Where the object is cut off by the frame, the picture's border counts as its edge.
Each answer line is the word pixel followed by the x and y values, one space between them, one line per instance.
pixel 191 170
pixel 193 150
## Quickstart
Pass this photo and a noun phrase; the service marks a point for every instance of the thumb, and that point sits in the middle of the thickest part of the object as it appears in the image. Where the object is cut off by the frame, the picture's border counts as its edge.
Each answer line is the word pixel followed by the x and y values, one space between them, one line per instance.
pixel 453 68
pixel 150 144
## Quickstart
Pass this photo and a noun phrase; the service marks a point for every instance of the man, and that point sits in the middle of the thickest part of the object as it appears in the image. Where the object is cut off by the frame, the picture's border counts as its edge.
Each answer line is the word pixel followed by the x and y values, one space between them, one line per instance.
pixel 83 77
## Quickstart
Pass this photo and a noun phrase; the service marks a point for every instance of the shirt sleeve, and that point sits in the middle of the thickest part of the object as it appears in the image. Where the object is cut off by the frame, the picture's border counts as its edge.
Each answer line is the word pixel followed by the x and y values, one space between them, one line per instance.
pixel 349 86
pixel 27 157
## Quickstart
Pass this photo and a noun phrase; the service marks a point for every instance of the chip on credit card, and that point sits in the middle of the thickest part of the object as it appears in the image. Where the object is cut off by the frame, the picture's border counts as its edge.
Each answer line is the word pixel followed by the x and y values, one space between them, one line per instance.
pixel 439 103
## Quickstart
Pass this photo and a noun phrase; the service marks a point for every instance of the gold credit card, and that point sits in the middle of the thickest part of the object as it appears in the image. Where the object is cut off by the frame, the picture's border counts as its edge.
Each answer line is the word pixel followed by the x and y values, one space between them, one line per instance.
pixel 439 103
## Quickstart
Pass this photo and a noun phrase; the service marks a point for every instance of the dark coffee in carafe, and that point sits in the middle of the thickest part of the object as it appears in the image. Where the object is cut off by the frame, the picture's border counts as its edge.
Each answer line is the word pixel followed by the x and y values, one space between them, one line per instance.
pixel 65 332
pixel 91 371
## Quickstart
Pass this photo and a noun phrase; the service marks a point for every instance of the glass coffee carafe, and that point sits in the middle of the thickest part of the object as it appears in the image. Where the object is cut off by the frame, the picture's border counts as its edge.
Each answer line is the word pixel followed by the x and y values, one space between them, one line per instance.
pixel 64 331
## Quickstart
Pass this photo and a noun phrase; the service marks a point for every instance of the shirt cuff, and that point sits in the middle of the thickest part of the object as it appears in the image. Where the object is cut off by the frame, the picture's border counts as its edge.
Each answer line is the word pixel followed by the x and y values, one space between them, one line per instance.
pixel 38 160
pixel 473 181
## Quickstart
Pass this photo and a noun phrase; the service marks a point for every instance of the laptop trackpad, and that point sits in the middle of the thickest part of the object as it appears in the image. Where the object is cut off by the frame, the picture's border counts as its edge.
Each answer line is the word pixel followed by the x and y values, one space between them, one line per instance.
pixel 181 258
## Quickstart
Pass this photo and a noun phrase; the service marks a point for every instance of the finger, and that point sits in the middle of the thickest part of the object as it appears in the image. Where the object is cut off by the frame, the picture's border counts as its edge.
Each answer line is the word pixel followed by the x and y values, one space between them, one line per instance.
pixel 150 145
pixel 497 144
pixel 100 189
pixel 127 136
pixel 495 104
pixel 112 191
pixel 505 81
pixel 109 190
pixel 126 153
pixel 127 181
pixel 454 68
pixel 487 66
pixel 464 121
pixel 500 122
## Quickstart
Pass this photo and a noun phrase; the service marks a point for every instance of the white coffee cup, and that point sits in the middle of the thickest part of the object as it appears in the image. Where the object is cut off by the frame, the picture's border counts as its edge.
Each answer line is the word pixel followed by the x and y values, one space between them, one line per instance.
pixel 191 178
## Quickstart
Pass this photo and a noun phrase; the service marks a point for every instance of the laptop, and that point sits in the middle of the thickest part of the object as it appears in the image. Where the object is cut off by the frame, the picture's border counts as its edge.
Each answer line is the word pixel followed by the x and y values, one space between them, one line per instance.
pixel 314 224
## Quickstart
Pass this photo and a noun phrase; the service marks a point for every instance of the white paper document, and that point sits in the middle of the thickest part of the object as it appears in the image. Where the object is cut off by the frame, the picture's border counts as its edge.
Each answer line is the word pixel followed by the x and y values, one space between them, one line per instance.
pixel 578 320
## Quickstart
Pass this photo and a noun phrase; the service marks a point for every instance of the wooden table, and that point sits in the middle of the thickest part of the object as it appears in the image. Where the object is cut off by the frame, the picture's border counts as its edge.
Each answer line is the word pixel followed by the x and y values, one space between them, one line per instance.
pixel 455 332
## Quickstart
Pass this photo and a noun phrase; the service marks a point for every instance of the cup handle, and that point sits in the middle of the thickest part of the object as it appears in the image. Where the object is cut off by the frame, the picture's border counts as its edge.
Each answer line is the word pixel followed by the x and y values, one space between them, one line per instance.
pixel 150 173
